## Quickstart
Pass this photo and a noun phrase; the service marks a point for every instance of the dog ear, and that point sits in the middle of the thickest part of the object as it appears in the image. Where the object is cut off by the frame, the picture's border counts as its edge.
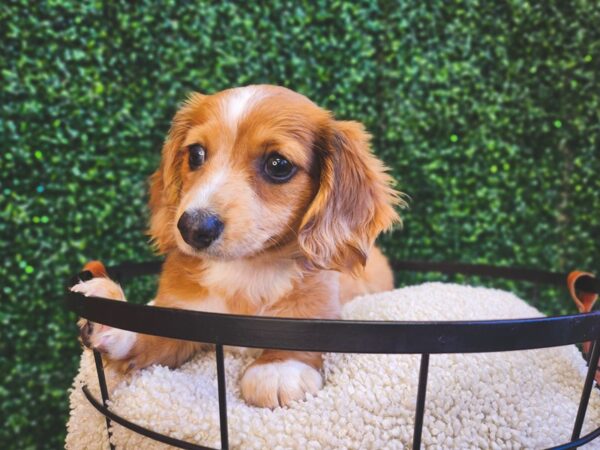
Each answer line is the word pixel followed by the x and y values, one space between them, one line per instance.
pixel 165 183
pixel 355 201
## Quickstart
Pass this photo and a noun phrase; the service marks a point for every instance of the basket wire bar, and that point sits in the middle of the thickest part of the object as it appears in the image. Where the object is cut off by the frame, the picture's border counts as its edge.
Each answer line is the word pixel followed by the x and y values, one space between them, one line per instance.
pixel 359 337
pixel 579 442
pixel 536 276
pixel 421 393
pixel 103 391
pixel 222 397
pixel 587 389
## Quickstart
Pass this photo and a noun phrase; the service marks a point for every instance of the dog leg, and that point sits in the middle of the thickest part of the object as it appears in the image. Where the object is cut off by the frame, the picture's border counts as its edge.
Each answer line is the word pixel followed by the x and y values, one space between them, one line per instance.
pixel 126 350
pixel 113 342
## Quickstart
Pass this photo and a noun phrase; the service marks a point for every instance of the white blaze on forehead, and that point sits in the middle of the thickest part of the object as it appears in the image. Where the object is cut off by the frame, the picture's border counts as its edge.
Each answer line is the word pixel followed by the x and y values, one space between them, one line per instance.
pixel 238 102
pixel 200 196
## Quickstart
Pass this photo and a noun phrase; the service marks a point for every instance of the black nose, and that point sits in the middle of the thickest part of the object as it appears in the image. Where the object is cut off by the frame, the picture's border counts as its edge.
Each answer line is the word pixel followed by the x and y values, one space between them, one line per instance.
pixel 199 228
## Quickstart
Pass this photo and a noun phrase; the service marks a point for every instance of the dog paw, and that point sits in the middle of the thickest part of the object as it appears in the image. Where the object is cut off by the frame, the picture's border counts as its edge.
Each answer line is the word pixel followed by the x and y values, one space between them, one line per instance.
pixel 113 342
pixel 279 383
pixel 100 287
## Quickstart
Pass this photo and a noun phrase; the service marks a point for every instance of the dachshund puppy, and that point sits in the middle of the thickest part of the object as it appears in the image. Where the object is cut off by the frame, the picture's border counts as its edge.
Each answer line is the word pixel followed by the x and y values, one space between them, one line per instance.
pixel 263 204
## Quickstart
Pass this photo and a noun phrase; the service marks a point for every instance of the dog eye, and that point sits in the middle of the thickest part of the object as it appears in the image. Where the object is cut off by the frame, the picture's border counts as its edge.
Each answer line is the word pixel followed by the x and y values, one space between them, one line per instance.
pixel 278 169
pixel 196 156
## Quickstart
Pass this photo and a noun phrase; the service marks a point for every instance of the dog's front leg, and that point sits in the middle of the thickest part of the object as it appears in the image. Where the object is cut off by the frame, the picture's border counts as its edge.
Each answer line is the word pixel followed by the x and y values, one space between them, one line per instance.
pixel 125 350
pixel 279 377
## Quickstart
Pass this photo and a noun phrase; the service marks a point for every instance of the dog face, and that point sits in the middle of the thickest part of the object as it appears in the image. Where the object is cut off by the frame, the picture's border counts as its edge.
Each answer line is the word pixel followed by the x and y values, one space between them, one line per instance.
pixel 261 168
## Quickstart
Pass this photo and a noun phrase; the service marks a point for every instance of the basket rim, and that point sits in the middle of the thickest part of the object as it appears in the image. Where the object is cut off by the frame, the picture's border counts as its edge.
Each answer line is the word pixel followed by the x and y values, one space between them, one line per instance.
pixel 339 336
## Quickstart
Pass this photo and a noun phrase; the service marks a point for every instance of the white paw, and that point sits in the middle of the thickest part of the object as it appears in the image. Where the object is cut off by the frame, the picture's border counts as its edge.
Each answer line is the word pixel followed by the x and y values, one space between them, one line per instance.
pixel 114 342
pixel 279 383
pixel 100 287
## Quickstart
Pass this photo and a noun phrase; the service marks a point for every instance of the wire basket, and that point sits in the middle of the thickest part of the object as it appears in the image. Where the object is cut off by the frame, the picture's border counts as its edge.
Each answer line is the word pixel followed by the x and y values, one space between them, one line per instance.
pixel 342 336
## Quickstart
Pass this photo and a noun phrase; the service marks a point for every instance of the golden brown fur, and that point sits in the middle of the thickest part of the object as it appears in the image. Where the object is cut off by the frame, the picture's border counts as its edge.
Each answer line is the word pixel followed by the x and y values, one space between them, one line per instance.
pixel 283 245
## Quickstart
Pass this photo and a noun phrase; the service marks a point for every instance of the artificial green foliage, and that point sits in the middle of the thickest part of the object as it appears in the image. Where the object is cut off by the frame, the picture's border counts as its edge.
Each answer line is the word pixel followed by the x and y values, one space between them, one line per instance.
pixel 488 114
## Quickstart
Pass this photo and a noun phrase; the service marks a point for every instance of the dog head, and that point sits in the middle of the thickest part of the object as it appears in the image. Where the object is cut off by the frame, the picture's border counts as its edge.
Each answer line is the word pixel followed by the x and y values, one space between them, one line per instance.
pixel 260 168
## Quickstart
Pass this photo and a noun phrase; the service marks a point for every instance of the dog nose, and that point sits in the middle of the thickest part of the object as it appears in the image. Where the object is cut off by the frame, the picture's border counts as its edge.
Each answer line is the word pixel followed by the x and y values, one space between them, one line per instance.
pixel 199 228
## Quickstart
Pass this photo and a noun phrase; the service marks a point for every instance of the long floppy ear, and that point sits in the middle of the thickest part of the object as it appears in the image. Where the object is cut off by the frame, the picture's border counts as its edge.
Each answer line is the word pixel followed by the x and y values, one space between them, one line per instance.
pixel 355 201
pixel 165 183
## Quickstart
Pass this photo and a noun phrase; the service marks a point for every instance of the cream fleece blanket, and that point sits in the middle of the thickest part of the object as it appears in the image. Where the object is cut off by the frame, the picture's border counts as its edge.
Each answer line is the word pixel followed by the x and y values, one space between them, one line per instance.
pixel 525 399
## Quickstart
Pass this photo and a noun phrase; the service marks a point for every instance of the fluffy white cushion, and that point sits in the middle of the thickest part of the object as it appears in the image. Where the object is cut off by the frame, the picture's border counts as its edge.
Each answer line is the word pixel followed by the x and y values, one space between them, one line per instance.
pixel 525 399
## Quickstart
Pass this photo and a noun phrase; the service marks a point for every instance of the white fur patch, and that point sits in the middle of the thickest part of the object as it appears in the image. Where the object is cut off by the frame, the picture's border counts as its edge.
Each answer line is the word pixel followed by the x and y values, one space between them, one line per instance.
pixel 200 196
pixel 279 383
pixel 238 102
pixel 263 282
pixel 115 342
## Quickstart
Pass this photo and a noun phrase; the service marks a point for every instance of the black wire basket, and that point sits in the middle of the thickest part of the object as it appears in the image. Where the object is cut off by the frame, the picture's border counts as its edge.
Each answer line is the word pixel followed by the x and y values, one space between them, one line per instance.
pixel 341 336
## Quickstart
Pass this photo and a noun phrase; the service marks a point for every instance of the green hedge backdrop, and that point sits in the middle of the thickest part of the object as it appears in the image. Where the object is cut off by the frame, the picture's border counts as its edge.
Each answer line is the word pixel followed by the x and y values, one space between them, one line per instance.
pixel 488 114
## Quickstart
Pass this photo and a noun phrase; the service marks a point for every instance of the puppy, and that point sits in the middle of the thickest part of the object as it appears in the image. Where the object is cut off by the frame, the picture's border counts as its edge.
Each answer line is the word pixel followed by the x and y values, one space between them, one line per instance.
pixel 263 204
